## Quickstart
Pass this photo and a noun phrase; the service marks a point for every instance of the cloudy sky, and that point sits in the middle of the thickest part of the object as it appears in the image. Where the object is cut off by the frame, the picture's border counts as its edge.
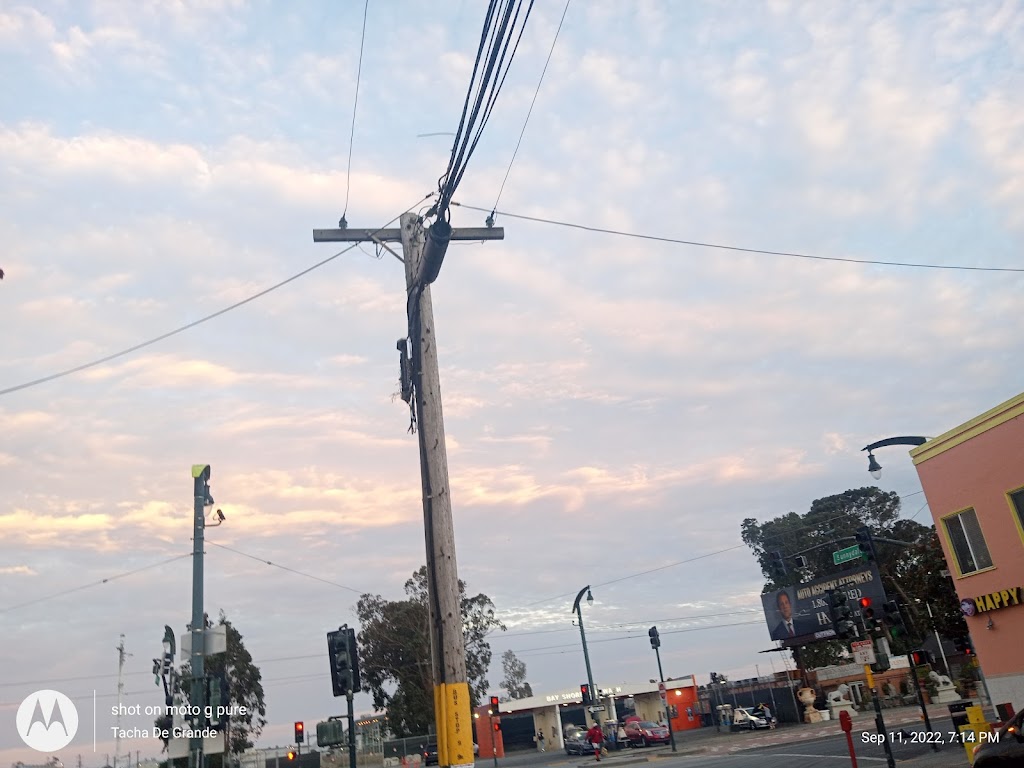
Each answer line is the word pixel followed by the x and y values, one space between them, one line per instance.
pixel 615 406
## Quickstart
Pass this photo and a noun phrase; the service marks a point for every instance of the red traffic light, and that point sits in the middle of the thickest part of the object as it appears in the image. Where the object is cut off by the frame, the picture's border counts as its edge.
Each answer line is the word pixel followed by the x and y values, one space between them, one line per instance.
pixel 865 602
pixel 920 657
pixel 300 733
pixel 585 694
pixel 497 726
pixel 291 755
pixel 494 704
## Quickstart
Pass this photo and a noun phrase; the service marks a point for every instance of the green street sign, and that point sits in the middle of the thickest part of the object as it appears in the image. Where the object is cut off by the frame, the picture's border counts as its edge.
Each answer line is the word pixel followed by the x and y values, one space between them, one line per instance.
pixel 846 555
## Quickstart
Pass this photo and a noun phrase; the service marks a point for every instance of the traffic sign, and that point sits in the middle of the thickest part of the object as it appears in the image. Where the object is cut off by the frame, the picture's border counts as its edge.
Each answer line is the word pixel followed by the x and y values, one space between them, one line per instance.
pixel 846 555
pixel 863 651
pixel 661 691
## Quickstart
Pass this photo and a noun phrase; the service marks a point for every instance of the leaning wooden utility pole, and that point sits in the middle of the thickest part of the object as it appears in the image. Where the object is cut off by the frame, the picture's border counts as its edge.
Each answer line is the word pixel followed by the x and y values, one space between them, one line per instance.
pixel 447 644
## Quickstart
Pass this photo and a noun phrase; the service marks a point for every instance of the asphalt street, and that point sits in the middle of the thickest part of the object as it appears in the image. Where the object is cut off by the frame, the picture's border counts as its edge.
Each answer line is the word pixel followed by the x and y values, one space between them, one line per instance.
pixel 822 744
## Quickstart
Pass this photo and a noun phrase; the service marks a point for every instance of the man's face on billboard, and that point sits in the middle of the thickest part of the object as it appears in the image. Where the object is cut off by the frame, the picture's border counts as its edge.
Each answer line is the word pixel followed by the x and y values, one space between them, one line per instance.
pixel 785 607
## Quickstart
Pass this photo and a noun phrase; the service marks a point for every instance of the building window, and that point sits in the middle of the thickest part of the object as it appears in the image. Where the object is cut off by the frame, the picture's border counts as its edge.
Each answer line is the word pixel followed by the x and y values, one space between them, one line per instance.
pixel 1017 499
pixel 968 542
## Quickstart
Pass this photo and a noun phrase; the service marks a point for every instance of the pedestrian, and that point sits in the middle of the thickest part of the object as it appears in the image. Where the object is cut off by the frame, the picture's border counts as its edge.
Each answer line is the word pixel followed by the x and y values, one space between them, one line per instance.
pixel 596 738
pixel 540 740
pixel 768 716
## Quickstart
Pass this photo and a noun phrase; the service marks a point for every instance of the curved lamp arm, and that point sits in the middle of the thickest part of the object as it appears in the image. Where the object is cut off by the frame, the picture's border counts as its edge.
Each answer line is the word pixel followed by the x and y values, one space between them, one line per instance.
pixel 576 602
pixel 873 466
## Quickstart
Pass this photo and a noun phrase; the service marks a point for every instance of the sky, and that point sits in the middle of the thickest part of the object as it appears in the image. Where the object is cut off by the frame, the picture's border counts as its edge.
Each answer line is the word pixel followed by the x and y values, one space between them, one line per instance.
pixel 615 406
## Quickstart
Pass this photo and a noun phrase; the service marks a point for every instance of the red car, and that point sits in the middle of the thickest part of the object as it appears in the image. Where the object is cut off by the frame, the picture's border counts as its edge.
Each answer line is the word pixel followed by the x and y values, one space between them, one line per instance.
pixel 642 733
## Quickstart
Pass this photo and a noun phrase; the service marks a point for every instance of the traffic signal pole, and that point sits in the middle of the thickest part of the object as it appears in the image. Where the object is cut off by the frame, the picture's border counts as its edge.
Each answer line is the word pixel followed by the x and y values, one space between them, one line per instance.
pixel 656 644
pixel 879 720
pixel 447 644
pixel 920 697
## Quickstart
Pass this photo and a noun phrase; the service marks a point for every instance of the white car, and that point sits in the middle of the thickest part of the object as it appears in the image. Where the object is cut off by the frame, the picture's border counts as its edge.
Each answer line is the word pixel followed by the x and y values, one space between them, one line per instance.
pixel 744 718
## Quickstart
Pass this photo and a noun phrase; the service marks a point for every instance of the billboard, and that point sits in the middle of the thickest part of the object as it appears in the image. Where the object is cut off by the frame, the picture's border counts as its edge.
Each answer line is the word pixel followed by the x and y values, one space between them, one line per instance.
pixel 799 615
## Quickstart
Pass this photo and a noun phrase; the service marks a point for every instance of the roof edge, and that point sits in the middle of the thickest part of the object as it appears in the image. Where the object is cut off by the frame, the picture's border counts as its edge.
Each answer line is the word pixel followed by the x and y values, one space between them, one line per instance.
pixel 992 418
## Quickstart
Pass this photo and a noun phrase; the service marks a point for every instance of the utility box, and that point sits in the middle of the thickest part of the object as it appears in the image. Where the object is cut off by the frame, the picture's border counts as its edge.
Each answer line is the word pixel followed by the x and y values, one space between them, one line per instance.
pixel 958 712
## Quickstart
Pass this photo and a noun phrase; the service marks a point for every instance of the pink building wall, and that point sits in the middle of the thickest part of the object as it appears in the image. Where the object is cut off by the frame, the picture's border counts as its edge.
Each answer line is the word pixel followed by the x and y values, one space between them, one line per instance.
pixel 976 465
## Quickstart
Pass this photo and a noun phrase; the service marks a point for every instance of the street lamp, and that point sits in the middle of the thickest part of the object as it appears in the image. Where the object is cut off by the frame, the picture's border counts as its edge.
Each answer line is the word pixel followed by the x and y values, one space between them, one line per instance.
pixel 873 466
pixel 583 636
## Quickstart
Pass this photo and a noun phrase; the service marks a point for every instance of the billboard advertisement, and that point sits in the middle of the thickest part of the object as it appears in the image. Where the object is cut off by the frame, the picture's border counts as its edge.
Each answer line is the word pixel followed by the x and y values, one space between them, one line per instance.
pixel 799 615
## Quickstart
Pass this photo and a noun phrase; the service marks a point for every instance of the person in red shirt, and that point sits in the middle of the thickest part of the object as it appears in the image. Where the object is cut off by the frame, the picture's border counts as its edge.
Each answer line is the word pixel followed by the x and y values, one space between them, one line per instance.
pixel 596 738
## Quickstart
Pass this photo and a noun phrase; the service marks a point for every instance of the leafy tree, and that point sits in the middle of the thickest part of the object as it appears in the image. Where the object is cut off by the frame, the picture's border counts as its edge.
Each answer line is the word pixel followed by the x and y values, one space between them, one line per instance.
pixel 815 533
pixel 909 571
pixel 919 575
pixel 394 652
pixel 245 686
pixel 515 676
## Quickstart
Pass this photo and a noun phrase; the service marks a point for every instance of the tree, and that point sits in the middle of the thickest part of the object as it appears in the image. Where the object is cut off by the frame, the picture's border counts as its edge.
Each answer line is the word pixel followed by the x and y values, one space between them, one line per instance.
pixel 920 576
pixel 816 535
pixel 515 676
pixel 394 652
pixel 244 684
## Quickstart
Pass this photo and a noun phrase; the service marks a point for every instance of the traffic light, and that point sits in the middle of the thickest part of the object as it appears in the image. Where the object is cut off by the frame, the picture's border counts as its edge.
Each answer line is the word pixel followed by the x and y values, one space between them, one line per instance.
pixel 585 694
pixel 218 699
pixel 494 705
pixel 841 614
pixel 300 733
pixel 800 561
pixel 291 755
pixel 655 640
pixel 920 657
pixel 867 548
pixel 882 662
pixel 894 618
pixel 778 562
pixel 963 645
pixel 344 659
pixel 497 726
pixel 871 624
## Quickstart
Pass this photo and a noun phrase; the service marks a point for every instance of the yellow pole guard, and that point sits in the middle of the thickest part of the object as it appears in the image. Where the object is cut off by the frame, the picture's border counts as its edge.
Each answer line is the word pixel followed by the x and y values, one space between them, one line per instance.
pixel 871 679
pixel 439 724
pixel 454 725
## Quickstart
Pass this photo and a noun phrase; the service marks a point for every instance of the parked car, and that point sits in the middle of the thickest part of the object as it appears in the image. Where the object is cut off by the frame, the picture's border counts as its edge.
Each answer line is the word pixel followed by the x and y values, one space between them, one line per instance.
pixel 430 754
pixel 643 733
pixel 1008 750
pixel 576 743
pixel 748 719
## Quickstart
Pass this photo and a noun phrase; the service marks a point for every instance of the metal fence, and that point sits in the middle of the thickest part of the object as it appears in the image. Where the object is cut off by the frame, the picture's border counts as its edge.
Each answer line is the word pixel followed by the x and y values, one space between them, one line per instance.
pixel 409 749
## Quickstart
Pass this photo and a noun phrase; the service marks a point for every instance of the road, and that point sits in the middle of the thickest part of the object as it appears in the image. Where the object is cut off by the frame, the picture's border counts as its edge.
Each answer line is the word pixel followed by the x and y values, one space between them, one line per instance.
pixel 909 750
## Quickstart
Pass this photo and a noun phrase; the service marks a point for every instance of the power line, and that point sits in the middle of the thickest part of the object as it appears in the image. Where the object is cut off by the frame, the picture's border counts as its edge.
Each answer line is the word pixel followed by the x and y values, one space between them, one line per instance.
pixel 355 103
pixel 286 568
pixel 795 532
pixel 696 243
pixel 194 323
pixel 530 110
pixel 613 627
pixel 641 573
pixel 492 67
pixel 575 647
pixel 918 511
pixel 55 595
